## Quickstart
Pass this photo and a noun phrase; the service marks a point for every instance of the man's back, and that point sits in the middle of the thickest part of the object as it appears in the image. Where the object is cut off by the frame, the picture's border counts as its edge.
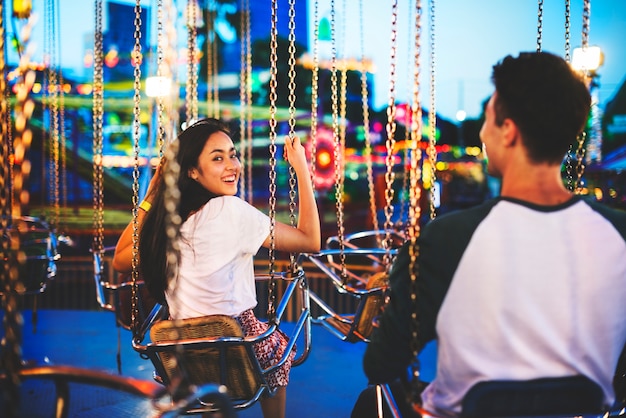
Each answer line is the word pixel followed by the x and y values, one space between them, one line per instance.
pixel 538 291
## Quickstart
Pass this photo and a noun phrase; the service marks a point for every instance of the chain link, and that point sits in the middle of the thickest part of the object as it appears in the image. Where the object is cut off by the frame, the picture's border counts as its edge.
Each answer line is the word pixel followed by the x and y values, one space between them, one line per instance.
pixel 567 32
pixel 586 16
pixel 271 308
pixel 580 165
pixel 432 115
pixel 314 89
pixel 539 24
pixel 337 155
pixel 243 88
pixel 10 345
pixel 415 209
pixel 97 125
pixel 292 120
pixel 391 141
pixel 12 201
pixel 137 60
pixel 191 86
pixel 367 152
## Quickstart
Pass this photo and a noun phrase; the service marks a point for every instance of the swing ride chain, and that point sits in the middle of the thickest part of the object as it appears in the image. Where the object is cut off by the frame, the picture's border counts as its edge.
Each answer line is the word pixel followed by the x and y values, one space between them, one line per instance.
pixel 10 356
pixel 567 31
pixel 292 121
pixel 210 34
pixel 539 24
pixel 390 143
pixel 415 211
pixel 249 97
pixel 271 308
pixel 52 93
pixel 136 59
pixel 160 105
pixel 336 148
pixel 243 88
pixel 432 116
pixel 314 89
pixel 10 345
pixel 580 150
pixel 191 93
pixel 97 123
pixel 366 129
pixel 580 166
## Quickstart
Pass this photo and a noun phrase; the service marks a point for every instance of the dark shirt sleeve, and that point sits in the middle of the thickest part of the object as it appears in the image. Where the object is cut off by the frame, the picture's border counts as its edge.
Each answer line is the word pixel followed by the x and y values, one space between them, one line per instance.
pixel 389 352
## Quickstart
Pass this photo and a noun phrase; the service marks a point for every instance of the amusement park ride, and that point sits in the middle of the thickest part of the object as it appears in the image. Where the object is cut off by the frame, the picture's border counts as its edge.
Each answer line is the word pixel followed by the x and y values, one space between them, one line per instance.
pixel 206 364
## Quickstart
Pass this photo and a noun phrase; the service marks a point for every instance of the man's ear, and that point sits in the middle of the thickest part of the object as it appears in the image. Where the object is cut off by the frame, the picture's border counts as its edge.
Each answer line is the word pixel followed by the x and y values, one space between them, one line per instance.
pixel 510 132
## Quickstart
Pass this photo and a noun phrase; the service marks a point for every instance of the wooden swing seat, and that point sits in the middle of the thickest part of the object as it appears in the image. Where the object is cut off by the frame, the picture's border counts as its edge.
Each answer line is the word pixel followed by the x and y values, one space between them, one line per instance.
pixel 203 362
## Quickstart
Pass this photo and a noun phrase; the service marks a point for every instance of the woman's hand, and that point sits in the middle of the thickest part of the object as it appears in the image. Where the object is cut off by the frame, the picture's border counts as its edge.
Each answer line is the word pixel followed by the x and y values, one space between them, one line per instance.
pixel 294 154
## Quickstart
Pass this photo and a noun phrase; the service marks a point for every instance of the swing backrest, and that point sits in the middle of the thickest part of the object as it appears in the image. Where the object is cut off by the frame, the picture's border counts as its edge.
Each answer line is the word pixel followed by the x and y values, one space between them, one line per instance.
pixel 560 396
pixel 224 359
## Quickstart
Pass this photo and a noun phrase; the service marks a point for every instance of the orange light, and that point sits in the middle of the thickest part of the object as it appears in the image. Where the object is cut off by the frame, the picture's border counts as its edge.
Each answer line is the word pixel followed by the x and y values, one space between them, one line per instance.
pixel 324 159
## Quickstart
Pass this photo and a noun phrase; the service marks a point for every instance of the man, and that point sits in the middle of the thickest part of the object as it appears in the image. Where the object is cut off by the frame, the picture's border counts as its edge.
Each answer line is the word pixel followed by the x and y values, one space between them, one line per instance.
pixel 528 285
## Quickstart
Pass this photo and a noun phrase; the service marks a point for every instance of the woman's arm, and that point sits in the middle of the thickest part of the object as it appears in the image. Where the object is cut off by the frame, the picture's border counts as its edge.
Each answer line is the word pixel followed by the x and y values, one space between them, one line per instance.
pixel 123 257
pixel 307 236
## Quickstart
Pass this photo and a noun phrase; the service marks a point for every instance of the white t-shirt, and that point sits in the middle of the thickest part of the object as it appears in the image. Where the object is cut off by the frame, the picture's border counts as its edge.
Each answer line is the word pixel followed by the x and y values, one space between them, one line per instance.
pixel 216 274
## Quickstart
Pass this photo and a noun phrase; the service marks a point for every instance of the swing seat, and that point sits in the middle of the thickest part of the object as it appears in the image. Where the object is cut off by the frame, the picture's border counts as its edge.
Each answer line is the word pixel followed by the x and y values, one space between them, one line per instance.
pixel 63 376
pixel 213 349
pixel 546 397
pixel 204 363
pixel 40 246
pixel 367 283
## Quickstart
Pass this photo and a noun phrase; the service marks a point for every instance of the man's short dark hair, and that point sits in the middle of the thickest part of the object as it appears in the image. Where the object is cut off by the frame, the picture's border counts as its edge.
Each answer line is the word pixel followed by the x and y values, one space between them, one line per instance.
pixel 547 100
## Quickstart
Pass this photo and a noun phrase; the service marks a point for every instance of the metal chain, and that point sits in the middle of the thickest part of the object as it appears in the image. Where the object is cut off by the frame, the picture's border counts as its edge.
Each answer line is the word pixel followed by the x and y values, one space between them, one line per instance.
pixel 337 155
pixel 539 24
pixel 580 165
pixel 314 88
pixel 568 157
pixel 97 125
pixel 580 150
pixel 292 120
pixel 243 88
pixel 10 344
pixel 432 116
pixel 53 96
pixel 414 209
pixel 586 16
pixel 191 85
pixel 271 308
pixel 10 356
pixel 214 53
pixel 367 152
pixel 391 141
pixel 137 60
pixel 160 55
pixel 249 99
pixel 568 47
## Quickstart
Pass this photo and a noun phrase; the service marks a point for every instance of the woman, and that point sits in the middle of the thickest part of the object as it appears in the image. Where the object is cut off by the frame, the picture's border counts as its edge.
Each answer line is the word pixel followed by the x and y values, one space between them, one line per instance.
pixel 220 234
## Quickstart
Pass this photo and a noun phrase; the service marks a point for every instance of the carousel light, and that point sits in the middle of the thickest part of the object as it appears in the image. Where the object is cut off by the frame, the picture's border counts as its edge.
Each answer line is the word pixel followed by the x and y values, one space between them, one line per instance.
pixel 590 58
pixel 158 86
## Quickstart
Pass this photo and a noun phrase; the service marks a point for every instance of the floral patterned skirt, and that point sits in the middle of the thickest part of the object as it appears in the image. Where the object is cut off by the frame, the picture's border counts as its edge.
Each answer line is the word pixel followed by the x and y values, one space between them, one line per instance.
pixel 270 350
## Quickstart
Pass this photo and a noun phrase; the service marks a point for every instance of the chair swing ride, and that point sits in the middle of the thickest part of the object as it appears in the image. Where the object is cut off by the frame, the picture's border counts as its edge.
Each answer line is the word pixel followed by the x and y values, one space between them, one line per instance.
pixel 196 359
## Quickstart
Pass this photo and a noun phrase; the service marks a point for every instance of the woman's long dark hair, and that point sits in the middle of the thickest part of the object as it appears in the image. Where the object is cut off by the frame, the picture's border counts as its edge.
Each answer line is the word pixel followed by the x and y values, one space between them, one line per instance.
pixel 152 237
